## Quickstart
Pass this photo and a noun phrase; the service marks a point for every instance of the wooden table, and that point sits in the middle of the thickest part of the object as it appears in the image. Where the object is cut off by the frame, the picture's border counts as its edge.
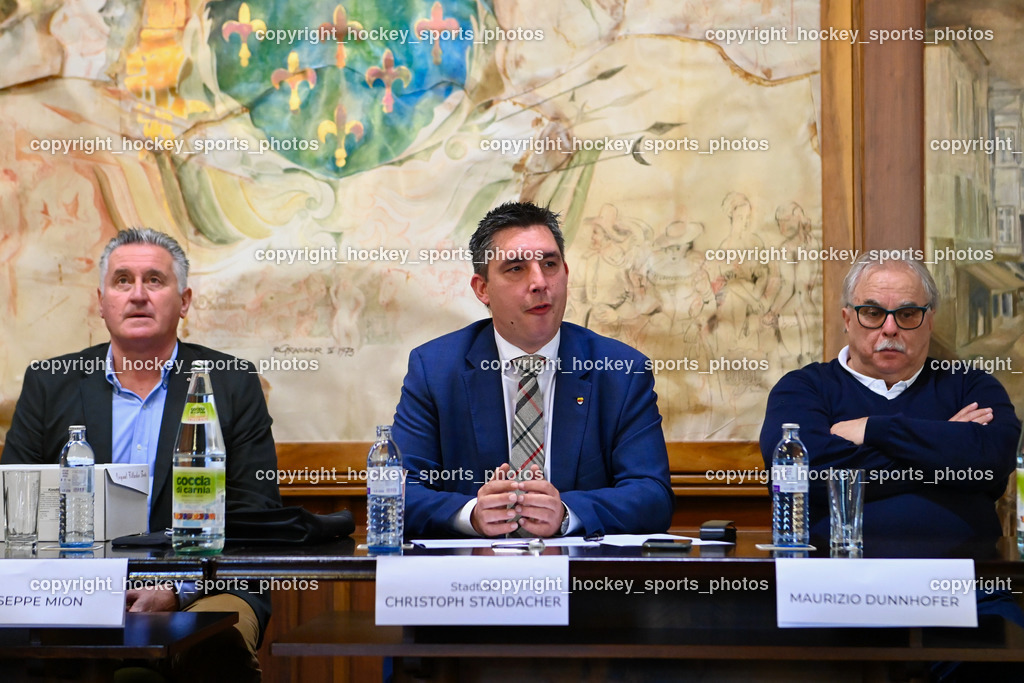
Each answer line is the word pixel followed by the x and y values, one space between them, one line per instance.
pixel 144 636
pixel 725 631
pixel 718 619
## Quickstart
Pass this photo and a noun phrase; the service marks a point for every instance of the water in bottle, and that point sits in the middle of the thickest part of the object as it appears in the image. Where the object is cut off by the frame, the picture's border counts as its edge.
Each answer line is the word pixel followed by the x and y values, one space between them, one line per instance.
pixel 385 495
pixel 77 466
pixel 789 490
pixel 197 507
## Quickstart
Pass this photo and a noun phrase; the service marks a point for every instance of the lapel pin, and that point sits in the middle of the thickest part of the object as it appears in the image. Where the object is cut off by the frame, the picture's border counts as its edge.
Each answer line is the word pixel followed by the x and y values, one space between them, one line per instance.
pixel 579 400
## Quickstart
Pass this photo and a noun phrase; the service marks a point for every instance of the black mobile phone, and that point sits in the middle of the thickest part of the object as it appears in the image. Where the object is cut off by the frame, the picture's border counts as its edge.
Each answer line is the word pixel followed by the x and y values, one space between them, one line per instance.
pixel 676 544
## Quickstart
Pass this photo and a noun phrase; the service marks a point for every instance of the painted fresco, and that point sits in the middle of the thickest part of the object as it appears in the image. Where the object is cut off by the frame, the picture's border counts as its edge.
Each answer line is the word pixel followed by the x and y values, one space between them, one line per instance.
pixel 324 165
pixel 974 188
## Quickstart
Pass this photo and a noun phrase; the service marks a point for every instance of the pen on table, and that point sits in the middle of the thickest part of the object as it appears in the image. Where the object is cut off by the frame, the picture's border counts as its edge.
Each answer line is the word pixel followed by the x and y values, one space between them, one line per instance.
pixel 531 544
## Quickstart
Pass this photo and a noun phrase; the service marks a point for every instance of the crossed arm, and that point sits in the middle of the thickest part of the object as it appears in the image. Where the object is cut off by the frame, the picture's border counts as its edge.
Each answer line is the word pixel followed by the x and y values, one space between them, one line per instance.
pixel 979 436
pixel 853 430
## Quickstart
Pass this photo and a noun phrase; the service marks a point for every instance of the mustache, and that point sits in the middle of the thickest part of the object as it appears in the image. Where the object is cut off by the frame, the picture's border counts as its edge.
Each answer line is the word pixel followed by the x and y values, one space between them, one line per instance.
pixel 890 345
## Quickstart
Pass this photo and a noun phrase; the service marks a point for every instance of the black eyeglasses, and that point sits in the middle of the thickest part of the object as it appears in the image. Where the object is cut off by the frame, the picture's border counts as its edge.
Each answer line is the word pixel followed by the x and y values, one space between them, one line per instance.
pixel 906 317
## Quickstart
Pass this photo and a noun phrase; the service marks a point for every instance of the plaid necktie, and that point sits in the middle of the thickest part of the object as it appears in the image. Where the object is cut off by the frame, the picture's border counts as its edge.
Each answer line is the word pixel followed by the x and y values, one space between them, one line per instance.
pixel 527 424
pixel 528 421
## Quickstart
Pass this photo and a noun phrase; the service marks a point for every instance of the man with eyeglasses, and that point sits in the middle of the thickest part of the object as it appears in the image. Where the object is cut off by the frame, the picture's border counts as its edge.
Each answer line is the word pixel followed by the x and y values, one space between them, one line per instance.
pixel 937 446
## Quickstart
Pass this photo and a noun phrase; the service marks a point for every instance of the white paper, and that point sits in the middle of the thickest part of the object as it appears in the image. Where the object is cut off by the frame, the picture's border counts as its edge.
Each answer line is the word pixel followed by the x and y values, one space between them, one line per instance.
pixel 65 592
pixel 561 542
pixel 497 591
pixel 875 592
pixel 623 540
pixel 618 540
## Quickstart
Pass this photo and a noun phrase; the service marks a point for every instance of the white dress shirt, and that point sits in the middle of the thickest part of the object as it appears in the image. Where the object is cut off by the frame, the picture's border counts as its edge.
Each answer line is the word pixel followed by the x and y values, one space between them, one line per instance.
pixel 874 384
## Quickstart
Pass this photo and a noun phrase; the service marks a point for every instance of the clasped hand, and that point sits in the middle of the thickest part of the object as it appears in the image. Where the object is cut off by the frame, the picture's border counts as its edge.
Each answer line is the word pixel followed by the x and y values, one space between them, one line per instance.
pixel 535 500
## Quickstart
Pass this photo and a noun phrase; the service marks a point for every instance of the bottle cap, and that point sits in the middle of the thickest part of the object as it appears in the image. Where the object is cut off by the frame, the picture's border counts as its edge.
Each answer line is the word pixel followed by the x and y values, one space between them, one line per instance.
pixel 790 425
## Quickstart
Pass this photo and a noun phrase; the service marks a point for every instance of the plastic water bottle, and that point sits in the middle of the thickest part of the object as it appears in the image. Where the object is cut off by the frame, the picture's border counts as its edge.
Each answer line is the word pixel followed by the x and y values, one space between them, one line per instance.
pixel 1020 495
pixel 77 476
pixel 385 495
pixel 197 503
pixel 789 490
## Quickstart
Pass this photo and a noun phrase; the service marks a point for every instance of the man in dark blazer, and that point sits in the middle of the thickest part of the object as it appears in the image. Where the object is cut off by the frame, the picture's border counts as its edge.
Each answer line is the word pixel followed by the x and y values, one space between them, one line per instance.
pixel 111 389
pixel 605 465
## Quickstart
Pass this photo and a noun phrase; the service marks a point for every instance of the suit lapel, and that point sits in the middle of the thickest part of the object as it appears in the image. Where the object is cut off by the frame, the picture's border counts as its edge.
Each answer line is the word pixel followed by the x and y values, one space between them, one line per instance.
pixel 570 413
pixel 486 402
pixel 98 408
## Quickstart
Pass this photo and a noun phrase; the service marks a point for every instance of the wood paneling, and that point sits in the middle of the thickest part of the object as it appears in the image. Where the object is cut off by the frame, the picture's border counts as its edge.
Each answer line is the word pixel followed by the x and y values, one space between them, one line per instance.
pixel 892 110
pixel 872 140
pixel 841 161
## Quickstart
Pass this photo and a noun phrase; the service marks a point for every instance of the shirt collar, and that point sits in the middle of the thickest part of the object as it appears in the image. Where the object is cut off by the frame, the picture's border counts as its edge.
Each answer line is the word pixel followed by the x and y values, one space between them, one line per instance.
pixel 165 372
pixel 873 383
pixel 507 351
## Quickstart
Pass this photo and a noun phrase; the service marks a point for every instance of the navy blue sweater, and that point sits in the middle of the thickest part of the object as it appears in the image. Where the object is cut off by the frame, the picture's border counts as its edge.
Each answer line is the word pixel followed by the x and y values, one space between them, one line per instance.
pixel 927 477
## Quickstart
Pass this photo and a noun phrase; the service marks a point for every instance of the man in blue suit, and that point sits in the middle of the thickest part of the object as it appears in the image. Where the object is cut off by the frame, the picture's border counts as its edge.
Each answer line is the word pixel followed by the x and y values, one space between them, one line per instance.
pixel 596 458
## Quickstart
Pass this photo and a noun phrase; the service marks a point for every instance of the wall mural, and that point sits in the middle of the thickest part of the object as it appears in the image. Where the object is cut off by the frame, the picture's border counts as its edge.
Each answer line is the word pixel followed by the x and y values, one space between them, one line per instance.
pixel 974 201
pixel 324 164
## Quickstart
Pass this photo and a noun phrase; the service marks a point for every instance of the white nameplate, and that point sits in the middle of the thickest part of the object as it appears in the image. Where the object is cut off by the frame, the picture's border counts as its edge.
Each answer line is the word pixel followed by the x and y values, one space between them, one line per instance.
pixel 498 591
pixel 883 593
pixel 68 592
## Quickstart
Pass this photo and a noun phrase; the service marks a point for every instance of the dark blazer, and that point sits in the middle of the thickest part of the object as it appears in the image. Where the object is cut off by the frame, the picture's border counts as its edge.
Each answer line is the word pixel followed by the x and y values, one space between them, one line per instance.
pixel 52 400
pixel 608 456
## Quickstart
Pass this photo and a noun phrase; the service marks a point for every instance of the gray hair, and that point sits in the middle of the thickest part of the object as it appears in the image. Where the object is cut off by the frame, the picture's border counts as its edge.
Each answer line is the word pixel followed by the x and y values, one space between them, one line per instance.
pixel 147 236
pixel 871 260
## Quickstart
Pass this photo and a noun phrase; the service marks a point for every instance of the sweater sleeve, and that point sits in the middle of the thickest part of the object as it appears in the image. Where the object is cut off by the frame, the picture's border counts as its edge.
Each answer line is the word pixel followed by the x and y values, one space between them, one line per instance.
pixel 801 397
pixel 963 455
pixel 900 451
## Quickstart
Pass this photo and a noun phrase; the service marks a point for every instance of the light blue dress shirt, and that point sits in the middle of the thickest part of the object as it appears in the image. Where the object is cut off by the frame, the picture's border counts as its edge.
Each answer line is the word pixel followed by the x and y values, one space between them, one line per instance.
pixel 135 433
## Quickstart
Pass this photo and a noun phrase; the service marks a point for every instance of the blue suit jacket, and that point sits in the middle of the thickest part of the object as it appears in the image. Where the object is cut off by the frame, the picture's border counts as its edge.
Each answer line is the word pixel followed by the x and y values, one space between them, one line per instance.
pixel 608 455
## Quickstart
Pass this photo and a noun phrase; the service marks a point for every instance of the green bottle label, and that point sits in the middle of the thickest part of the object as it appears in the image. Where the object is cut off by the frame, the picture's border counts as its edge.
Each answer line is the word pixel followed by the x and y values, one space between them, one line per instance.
pixel 199 494
pixel 198 413
pixel 1020 499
